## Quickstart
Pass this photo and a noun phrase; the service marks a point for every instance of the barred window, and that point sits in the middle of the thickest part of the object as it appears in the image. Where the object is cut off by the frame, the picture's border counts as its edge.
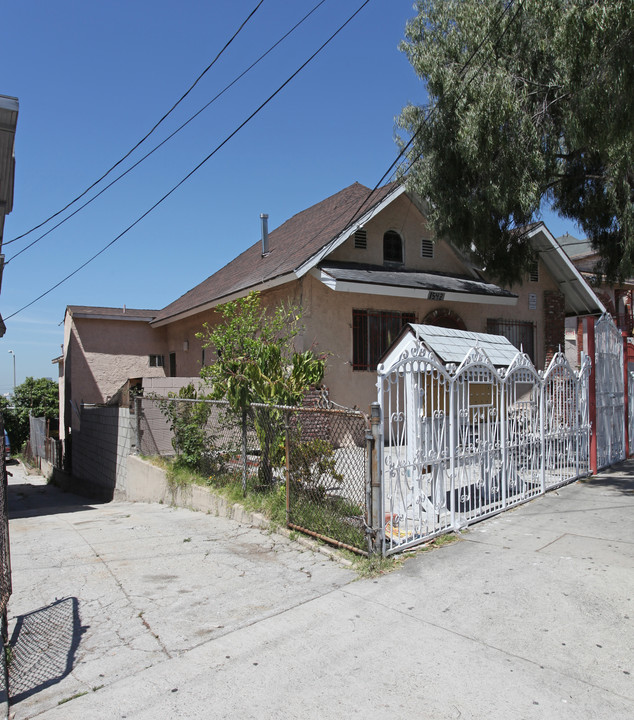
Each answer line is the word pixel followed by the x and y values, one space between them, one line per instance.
pixel 373 331
pixel 520 333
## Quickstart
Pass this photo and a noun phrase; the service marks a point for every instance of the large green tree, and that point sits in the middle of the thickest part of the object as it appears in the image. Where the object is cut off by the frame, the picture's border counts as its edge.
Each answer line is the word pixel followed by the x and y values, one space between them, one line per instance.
pixel 35 396
pixel 528 103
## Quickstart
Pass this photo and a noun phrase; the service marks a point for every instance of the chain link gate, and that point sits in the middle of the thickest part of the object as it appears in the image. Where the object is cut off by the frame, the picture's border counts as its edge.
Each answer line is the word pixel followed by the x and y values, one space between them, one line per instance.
pixel 610 392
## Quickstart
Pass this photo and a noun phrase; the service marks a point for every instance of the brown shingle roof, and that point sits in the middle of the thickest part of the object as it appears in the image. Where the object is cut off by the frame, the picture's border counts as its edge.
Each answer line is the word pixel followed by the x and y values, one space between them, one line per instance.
pixel 290 246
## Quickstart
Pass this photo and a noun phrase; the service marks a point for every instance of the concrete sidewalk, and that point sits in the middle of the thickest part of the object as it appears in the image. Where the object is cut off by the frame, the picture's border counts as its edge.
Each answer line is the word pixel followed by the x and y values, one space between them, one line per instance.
pixel 154 612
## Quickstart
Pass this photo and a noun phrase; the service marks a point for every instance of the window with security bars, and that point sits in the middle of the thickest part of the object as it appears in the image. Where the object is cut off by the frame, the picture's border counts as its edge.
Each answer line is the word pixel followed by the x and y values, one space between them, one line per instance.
pixel 519 333
pixel 373 331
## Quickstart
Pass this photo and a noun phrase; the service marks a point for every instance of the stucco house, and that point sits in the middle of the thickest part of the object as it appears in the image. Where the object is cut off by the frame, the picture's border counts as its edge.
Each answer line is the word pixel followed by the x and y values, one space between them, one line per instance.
pixel 105 350
pixel 360 266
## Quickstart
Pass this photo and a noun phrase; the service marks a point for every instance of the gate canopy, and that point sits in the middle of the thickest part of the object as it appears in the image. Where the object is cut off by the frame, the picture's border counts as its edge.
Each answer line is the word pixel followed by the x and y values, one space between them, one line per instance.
pixel 449 346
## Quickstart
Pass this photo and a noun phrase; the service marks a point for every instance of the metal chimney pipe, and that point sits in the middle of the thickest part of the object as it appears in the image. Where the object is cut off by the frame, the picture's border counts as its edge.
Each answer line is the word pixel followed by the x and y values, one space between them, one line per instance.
pixel 265 234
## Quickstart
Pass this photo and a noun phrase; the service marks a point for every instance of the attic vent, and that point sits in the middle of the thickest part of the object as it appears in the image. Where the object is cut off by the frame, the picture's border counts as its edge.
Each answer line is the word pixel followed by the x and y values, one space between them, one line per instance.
pixel 533 272
pixel 361 239
pixel 427 248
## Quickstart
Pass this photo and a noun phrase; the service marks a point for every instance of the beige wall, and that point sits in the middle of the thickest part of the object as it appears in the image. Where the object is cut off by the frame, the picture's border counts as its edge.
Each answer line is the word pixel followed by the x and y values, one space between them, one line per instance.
pixel 100 356
pixel 403 217
pixel 328 320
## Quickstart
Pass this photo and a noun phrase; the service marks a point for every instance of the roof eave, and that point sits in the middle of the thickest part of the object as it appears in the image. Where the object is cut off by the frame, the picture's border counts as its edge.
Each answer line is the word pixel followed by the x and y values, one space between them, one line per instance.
pixel 580 297
pixel 212 304
pixel 409 292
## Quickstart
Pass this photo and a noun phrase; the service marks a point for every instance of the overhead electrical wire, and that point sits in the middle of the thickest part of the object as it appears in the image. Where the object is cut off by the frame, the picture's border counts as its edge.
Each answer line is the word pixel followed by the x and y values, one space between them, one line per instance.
pixel 429 114
pixel 356 214
pixel 167 139
pixel 197 167
pixel 147 135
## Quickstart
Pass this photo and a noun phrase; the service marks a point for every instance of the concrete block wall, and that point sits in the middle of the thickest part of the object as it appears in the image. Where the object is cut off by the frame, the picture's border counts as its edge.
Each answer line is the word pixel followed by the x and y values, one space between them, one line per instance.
pixel 101 448
pixel 164 385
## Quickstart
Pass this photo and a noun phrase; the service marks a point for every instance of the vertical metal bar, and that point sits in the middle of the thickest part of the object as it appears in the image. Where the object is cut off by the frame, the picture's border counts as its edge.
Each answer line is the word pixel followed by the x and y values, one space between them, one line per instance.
pixel 592 395
pixel 376 476
pixel 244 453
pixel 137 422
pixel 503 439
pixel 542 430
pixel 626 430
pixel 287 444
pixel 453 426
pixel 369 452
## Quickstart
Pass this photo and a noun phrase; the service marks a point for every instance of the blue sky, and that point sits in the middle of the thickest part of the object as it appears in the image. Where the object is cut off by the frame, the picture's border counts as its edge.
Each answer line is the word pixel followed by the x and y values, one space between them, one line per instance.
pixel 92 78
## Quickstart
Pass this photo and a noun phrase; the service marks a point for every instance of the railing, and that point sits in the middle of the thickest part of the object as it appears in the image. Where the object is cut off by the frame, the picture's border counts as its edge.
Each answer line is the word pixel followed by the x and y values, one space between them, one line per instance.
pixel 461 444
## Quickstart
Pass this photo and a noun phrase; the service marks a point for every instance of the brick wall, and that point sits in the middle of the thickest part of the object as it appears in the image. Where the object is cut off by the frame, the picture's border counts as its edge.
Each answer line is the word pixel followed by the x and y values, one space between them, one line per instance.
pixel 101 447
pixel 554 323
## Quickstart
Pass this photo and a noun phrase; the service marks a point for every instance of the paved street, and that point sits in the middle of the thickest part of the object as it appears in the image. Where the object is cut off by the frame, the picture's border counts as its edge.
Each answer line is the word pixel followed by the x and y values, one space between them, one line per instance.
pixel 141 611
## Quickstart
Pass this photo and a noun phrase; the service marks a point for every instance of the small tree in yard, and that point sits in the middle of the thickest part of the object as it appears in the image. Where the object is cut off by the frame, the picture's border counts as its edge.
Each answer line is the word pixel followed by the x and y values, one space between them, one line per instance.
pixel 257 364
pixel 188 422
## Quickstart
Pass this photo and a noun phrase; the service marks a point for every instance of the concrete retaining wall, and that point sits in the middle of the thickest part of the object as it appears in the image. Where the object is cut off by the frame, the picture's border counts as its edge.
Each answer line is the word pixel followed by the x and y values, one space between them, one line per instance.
pixel 101 447
pixel 148 483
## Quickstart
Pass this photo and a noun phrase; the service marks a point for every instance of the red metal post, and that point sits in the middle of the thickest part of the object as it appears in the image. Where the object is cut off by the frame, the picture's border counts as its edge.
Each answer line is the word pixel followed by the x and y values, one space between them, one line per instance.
pixel 592 395
pixel 626 392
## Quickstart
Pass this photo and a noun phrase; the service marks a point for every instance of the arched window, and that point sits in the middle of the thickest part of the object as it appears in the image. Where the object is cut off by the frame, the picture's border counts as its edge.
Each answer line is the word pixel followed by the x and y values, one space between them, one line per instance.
pixel 392 247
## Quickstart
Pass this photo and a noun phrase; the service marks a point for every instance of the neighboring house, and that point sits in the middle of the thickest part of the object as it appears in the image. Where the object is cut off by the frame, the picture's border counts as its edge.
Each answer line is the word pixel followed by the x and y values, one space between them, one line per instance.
pixel 105 350
pixel 618 298
pixel 8 121
pixel 360 269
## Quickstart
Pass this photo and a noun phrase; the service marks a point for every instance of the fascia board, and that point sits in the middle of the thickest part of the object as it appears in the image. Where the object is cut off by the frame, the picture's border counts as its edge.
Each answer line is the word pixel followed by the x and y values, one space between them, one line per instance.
pixel 89 316
pixel 281 280
pixel 342 237
pixel 404 292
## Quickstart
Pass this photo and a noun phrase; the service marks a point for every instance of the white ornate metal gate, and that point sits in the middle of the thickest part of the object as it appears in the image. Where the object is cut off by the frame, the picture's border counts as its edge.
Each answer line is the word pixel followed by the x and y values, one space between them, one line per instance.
pixel 460 444
pixel 610 392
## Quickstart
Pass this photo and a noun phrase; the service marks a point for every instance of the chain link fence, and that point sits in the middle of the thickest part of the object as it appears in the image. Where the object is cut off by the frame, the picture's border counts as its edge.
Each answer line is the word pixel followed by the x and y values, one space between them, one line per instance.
pixel 316 455
pixel 5 560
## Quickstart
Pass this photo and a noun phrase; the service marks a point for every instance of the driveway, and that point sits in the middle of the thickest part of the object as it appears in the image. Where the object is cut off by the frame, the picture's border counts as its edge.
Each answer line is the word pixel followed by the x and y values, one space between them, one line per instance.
pixel 127 610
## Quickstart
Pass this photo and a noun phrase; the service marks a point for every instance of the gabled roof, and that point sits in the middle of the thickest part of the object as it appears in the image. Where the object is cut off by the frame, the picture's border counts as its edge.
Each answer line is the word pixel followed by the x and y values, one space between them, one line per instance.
pixel 580 297
pixel 300 244
pixel 294 248
pixel 451 346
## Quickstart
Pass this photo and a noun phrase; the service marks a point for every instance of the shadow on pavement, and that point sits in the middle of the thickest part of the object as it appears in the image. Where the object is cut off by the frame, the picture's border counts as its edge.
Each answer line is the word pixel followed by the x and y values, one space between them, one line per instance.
pixel 26 500
pixel 622 483
pixel 43 647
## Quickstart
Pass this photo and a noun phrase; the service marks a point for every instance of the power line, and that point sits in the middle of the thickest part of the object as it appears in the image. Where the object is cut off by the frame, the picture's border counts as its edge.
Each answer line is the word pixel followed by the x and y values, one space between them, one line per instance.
pixel 429 114
pixel 163 142
pixel 200 164
pixel 146 136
